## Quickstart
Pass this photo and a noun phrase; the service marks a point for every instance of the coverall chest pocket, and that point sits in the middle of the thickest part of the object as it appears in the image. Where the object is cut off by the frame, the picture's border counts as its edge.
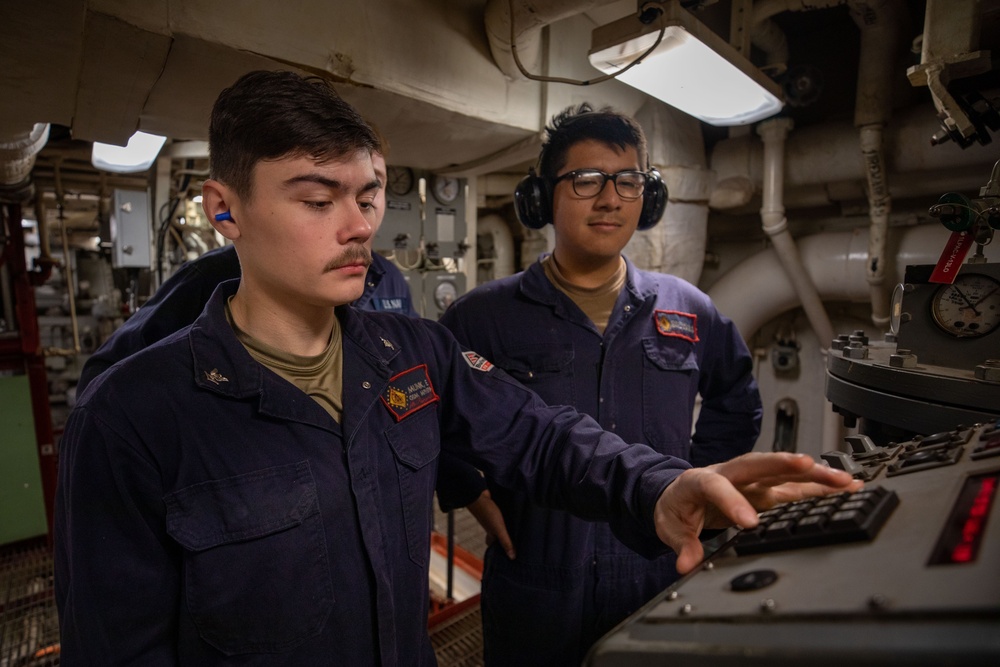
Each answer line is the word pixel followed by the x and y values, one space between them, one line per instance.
pixel 543 367
pixel 256 570
pixel 669 387
pixel 415 443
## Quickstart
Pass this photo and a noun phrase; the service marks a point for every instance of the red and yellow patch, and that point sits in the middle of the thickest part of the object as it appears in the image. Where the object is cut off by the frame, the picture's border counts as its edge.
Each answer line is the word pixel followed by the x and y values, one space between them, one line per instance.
pixel 408 392
pixel 677 324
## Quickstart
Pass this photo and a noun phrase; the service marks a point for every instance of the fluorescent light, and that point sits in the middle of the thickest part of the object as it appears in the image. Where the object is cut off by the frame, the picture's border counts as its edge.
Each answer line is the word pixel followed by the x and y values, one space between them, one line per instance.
pixel 692 68
pixel 138 155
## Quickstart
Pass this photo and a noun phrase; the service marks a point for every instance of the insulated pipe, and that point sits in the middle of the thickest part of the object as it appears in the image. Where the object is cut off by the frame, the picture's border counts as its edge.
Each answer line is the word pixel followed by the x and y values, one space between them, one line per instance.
pixel 17 155
pixel 530 16
pixel 835 262
pixel 502 263
pixel 677 244
pixel 828 153
pixel 775 225
pixel 879 205
pixel 771 40
pixel 879 24
pixel 765 9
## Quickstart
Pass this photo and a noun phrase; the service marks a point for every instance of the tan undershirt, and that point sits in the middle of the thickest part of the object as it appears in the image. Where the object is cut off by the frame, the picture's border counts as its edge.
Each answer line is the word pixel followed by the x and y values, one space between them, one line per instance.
pixel 321 377
pixel 595 302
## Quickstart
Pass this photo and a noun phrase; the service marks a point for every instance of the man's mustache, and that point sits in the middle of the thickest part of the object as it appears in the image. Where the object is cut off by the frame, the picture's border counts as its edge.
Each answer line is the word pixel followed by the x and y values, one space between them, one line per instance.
pixel 354 254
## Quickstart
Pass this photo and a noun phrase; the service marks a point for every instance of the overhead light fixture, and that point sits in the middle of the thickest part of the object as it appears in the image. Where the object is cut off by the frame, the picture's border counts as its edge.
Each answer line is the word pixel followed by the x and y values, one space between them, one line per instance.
pixel 138 155
pixel 691 68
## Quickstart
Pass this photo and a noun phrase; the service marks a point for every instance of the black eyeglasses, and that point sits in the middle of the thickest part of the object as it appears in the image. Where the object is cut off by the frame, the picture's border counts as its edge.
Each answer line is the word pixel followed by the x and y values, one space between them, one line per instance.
pixel 589 183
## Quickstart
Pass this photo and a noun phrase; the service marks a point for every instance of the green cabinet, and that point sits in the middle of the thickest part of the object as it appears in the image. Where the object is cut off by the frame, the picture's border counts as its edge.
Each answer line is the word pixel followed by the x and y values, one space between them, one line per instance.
pixel 22 502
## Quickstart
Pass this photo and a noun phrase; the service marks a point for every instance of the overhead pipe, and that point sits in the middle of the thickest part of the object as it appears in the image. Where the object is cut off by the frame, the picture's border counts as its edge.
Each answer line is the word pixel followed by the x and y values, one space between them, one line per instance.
pixel 767 36
pixel 18 153
pixel 765 9
pixel 879 24
pixel 529 17
pixel 17 158
pixel 775 225
pixel 835 263
pixel 821 154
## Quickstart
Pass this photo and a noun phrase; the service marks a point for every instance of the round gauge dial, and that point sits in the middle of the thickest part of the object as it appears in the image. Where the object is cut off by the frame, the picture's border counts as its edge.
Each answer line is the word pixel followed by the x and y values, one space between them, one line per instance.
pixel 444 294
pixel 969 307
pixel 400 180
pixel 446 189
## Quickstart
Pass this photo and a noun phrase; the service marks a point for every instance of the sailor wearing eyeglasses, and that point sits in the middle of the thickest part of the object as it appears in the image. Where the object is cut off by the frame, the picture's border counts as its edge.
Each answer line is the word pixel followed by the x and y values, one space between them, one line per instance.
pixel 583 326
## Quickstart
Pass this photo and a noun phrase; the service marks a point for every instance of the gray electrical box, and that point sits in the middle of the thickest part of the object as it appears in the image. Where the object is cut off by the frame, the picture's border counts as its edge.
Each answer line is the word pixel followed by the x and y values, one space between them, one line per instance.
pixel 401 226
pixel 445 229
pixel 131 229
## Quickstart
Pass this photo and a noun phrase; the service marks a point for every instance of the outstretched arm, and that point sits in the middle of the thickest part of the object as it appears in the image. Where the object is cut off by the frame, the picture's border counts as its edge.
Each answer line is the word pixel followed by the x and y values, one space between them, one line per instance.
pixel 733 492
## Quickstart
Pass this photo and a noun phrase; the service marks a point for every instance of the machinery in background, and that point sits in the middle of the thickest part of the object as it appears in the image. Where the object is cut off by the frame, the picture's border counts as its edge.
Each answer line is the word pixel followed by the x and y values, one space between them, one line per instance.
pixel 907 570
pixel 424 233
pixel 940 362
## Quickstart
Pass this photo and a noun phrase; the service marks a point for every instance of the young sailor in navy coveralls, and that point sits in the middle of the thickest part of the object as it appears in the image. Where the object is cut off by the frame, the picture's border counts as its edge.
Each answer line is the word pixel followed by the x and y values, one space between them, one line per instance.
pixel 632 349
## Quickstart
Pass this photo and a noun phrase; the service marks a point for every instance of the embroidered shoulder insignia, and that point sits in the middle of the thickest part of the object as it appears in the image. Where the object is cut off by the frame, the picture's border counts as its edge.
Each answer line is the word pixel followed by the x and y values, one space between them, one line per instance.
pixel 215 376
pixel 476 361
pixel 677 324
pixel 408 392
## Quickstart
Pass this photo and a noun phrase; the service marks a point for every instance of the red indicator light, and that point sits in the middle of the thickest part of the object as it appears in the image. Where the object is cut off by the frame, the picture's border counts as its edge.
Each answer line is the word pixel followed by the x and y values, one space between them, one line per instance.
pixel 959 541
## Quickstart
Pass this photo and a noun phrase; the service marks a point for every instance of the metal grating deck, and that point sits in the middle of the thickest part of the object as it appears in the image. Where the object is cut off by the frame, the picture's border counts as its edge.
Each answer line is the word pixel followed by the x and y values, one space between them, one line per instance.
pixel 29 626
pixel 458 641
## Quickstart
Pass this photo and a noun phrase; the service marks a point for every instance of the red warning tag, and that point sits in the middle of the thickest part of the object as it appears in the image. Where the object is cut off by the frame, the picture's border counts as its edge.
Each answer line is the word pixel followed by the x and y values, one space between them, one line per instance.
pixel 951 259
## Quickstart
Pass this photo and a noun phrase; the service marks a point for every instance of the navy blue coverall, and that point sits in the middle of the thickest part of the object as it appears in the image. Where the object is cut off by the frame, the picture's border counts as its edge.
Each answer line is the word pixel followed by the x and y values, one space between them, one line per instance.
pixel 210 513
pixel 665 343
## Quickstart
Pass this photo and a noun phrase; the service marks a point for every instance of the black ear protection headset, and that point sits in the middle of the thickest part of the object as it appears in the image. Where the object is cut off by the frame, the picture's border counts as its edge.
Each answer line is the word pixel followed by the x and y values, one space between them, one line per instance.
pixel 533 199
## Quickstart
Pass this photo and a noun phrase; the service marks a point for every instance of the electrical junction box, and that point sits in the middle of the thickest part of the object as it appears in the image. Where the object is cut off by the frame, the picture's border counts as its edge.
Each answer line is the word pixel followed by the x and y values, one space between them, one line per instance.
pixel 131 229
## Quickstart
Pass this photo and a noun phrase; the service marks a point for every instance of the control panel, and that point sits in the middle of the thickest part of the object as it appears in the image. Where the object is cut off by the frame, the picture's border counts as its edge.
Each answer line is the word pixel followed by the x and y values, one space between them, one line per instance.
pixel 905 571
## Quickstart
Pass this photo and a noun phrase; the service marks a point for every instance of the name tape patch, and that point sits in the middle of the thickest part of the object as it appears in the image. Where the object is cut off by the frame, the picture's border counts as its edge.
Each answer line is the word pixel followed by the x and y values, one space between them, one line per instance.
pixel 408 392
pixel 677 324
pixel 476 361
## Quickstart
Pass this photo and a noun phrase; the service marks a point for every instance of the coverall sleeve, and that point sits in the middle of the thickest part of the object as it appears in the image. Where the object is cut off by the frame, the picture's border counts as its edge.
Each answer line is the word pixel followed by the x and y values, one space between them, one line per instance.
pixel 729 420
pixel 116 575
pixel 459 483
pixel 558 456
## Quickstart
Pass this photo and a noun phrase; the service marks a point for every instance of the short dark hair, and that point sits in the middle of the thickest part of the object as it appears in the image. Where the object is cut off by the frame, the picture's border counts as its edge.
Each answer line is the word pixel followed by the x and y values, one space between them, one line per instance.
pixel 268 115
pixel 575 124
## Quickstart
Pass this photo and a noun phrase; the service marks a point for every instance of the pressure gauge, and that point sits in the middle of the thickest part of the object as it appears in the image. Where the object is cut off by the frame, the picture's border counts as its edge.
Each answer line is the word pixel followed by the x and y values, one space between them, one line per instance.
pixel 446 189
pixel 444 294
pixel 969 307
pixel 400 180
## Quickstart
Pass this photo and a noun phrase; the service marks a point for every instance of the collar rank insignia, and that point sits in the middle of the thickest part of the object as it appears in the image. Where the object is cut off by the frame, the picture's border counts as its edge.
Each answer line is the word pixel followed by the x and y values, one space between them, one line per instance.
pixel 387 344
pixel 408 392
pixel 476 361
pixel 215 376
pixel 677 324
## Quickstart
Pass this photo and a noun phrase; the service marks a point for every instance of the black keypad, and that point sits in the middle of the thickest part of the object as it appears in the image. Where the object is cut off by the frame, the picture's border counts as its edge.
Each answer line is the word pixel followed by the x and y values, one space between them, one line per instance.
pixel 845 517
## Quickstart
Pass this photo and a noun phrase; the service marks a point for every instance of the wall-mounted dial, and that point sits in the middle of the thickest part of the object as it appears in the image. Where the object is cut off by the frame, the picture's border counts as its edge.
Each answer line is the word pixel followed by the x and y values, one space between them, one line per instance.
pixel 446 188
pixel 400 180
pixel 969 307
